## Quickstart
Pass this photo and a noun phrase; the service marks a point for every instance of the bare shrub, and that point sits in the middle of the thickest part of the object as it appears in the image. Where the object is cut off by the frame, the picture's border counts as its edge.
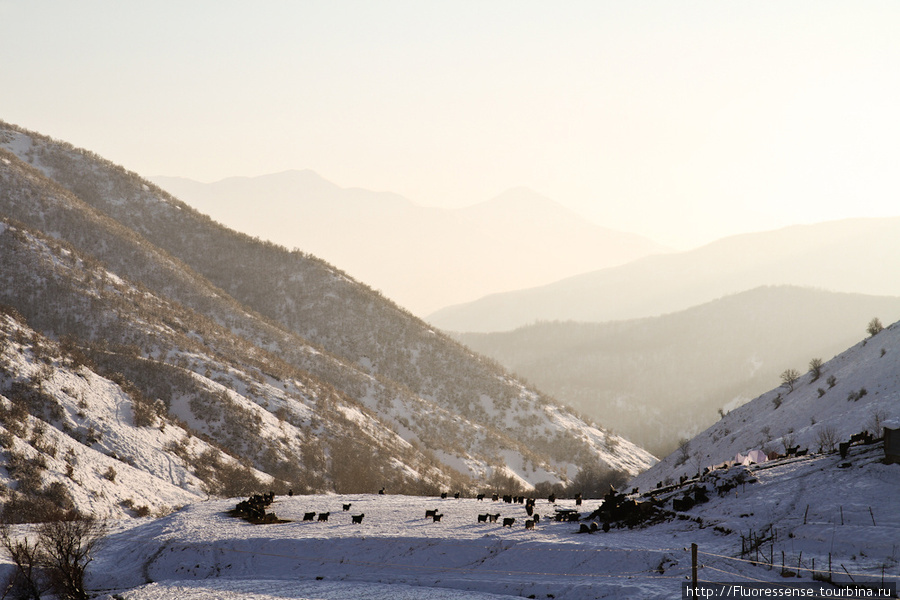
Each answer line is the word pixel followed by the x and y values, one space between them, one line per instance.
pixel 874 327
pixel 56 560
pixel 877 417
pixel 23 583
pixel 827 438
pixel 815 368
pixel 66 547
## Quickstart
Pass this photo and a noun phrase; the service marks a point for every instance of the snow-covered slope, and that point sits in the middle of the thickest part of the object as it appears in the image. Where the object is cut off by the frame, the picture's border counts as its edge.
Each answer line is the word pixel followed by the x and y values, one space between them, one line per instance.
pixel 201 553
pixel 820 519
pixel 858 390
pixel 276 357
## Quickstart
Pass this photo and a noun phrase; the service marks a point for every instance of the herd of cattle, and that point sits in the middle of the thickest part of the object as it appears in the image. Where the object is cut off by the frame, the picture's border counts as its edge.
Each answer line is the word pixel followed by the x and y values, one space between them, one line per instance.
pixel 614 509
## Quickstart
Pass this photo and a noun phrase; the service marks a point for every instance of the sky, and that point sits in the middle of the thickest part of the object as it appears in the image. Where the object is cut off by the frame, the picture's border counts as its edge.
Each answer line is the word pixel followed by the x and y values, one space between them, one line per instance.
pixel 681 121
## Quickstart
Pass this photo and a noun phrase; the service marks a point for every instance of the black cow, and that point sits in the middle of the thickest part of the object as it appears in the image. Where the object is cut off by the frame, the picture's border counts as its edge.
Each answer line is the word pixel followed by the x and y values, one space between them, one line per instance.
pixel 357 518
pixel 309 516
pixel 508 521
pixel 324 516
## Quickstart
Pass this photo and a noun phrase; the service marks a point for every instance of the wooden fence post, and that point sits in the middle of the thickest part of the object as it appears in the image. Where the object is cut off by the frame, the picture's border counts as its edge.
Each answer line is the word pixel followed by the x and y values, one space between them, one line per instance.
pixel 694 567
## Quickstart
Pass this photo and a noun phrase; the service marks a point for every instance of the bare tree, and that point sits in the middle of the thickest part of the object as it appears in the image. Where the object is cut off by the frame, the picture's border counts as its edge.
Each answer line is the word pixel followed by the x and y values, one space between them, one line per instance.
pixel 877 417
pixel 788 378
pixel 827 438
pixel 24 582
pixel 788 440
pixel 66 547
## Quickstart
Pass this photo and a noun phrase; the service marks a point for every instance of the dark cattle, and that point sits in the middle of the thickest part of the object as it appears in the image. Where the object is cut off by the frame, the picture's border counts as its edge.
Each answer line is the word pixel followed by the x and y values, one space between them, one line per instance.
pixel 324 516
pixel 483 518
pixel 254 507
pixel 381 491
pixel 551 498
pixel 700 495
pixel 529 502
pixel 443 495
pixel 863 437
pixel 508 499
pixel 430 513
pixel 290 492
pixel 309 516
pixel 529 509
pixel 682 504
pixel 566 514
pixel 346 507
pixel 537 518
pixel 493 518
pixel 495 497
pixel 479 497
pixel 456 495
pixel 844 447
pixel 508 521
pixel 357 518
pixel 577 499
pixel 436 518
pixel 529 524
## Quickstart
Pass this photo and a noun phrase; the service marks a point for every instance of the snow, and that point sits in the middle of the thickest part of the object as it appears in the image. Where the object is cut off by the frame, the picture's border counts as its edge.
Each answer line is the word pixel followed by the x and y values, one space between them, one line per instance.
pixel 816 508
pixel 809 509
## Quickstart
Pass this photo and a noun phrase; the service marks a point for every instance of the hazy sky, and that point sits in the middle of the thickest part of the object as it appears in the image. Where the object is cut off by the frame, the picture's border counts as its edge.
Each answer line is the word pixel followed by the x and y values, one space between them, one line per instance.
pixel 684 121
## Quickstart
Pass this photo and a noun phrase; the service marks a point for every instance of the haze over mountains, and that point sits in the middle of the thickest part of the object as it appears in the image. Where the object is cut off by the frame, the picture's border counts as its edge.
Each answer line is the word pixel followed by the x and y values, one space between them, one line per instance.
pixel 423 258
pixel 658 380
pixel 648 377
pixel 247 362
pixel 853 255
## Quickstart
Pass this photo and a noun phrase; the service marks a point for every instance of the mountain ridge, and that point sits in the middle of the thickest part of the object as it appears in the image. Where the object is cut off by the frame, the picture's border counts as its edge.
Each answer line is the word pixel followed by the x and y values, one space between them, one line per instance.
pixel 849 255
pixel 659 379
pixel 401 248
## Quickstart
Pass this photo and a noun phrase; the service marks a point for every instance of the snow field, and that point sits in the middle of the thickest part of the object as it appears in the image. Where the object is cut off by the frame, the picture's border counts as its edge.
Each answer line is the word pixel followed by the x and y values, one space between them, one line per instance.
pixel 395 545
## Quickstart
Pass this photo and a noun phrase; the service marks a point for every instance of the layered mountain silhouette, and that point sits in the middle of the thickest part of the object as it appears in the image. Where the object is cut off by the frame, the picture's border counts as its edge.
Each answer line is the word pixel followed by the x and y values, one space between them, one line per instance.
pixel 424 258
pixel 853 255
